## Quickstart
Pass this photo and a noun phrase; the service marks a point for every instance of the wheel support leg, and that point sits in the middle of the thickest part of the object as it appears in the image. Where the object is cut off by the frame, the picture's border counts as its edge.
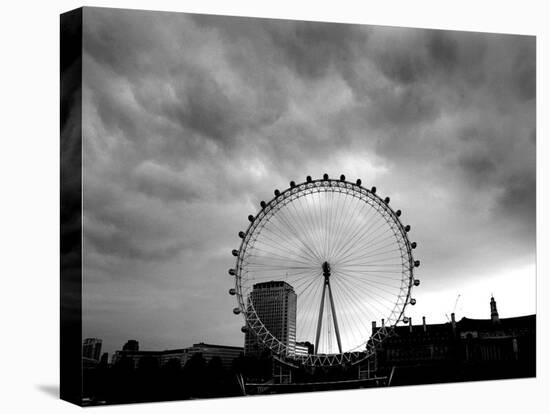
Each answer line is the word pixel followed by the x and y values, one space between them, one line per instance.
pixel 334 318
pixel 320 320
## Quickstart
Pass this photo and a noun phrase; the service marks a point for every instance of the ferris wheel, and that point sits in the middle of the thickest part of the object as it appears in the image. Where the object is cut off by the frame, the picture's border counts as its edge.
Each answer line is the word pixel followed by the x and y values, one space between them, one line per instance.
pixel 320 264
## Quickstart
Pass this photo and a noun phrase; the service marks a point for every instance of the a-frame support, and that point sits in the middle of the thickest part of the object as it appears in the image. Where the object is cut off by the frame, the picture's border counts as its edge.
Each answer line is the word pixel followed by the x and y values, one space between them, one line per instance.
pixel 326 284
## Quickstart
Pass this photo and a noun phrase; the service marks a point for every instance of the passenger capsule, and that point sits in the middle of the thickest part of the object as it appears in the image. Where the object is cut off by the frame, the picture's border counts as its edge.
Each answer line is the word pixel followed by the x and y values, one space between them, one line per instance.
pixel 236 311
pixel 373 190
pixel 251 218
pixel 358 182
pixel 241 234
pixel 232 291
pixel 325 176
pixel 413 301
pixel 413 245
pixel 407 228
pixel 405 319
pixel 235 252
pixel 342 177
pixel 398 213
pixel 277 193
pixel 231 272
pixel 308 178
pixel 262 204
pixel 244 329
pixel 292 184
pixel 387 200
pixel 416 282
pixel 416 263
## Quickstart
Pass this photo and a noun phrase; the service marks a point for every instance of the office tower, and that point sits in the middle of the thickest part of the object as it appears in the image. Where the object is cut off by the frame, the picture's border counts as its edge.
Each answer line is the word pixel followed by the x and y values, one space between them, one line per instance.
pixel 275 305
pixel 91 348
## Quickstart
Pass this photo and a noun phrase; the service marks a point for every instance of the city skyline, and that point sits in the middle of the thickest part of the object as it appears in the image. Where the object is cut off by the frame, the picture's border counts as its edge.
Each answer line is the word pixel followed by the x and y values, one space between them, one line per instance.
pixel 459 350
pixel 202 117
pixel 132 345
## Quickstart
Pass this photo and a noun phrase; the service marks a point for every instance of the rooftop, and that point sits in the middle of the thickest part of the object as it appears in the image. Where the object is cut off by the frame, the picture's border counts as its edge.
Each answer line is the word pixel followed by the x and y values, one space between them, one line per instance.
pixel 527 321
pixel 181 350
pixel 272 284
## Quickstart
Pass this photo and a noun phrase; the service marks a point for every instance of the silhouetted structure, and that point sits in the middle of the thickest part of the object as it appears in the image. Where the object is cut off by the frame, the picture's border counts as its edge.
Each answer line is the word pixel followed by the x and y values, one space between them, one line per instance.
pixel 466 350
pixel 131 345
pixel 133 357
pixel 494 311
pixel 104 359
pixel 91 348
pixel 226 354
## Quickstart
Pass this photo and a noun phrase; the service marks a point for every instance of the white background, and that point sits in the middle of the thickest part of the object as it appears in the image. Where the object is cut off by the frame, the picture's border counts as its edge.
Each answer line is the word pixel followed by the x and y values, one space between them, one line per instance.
pixel 29 266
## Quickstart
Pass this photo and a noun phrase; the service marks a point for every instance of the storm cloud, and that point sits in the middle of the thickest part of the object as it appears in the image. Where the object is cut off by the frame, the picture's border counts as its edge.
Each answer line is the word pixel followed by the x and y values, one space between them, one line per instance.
pixel 190 120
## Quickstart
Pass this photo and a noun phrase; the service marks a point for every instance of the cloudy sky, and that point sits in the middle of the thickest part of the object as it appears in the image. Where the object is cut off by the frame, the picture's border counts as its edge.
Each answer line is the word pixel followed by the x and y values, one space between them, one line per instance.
pixel 189 121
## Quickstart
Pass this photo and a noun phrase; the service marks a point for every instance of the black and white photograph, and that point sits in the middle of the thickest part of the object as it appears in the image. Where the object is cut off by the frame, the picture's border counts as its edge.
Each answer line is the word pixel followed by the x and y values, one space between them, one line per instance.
pixel 290 210
pixel 274 206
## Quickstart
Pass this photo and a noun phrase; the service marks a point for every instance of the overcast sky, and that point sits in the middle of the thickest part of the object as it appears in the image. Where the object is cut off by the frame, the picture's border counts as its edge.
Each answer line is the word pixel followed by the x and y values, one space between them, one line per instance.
pixel 189 121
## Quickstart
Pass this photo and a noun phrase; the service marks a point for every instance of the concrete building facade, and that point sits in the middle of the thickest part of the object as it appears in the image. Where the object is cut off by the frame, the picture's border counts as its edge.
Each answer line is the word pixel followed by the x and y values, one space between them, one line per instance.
pixel 275 303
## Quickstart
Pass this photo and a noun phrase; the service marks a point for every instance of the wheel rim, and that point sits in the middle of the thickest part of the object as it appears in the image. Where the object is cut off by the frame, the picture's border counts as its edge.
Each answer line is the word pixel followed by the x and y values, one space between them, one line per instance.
pixel 347 256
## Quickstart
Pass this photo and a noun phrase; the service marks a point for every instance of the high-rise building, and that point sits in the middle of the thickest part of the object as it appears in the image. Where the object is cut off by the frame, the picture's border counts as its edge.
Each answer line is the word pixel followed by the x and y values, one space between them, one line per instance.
pixel 275 305
pixel 91 348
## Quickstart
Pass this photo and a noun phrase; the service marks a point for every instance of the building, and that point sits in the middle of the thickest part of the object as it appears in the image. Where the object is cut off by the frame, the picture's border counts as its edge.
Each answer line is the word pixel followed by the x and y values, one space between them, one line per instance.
pixel 227 355
pixel 304 348
pixel 91 348
pixel 178 356
pixel 463 350
pixel 133 359
pixel 104 359
pixel 131 345
pixel 275 305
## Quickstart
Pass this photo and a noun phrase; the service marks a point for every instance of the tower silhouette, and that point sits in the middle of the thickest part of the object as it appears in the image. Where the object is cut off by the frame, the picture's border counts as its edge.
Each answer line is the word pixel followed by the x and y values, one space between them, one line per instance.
pixel 494 311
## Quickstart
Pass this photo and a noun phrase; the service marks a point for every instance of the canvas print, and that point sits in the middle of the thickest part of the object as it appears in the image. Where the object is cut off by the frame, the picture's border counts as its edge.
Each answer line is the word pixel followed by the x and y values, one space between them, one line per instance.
pixel 259 206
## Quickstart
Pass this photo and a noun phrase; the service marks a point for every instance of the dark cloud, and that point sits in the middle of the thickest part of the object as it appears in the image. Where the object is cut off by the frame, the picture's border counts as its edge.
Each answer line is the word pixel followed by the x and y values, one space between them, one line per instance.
pixel 158 181
pixel 403 68
pixel 313 49
pixel 518 200
pixel 189 121
pixel 478 166
pixel 525 72
pixel 443 49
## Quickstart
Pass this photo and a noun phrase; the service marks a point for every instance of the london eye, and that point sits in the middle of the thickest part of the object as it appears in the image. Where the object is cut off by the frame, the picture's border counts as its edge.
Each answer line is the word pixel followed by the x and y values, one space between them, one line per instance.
pixel 345 255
